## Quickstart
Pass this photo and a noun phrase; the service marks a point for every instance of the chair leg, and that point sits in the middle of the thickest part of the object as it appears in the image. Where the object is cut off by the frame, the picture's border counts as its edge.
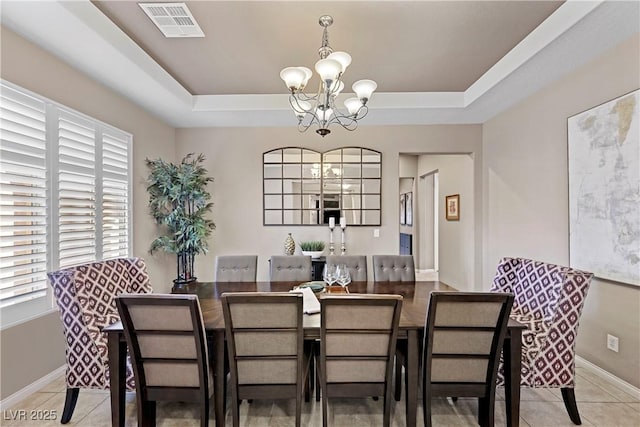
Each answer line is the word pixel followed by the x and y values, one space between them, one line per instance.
pixel 69 404
pixel 147 414
pixel 397 390
pixel 486 411
pixel 426 408
pixel 386 420
pixel 204 413
pixel 569 398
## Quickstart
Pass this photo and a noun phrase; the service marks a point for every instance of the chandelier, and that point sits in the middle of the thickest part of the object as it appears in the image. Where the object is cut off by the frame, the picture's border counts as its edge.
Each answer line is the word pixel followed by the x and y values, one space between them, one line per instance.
pixel 320 109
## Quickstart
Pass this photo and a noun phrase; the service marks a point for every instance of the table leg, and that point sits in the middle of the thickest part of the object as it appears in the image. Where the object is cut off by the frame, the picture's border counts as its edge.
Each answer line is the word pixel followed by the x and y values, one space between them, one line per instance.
pixel 412 367
pixel 117 349
pixel 512 353
pixel 219 377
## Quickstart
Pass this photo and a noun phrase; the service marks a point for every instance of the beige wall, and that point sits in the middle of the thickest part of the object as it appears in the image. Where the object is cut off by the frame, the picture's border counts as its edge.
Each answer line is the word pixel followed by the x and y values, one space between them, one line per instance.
pixel 456 249
pixel 526 197
pixel 237 191
pixel 32 68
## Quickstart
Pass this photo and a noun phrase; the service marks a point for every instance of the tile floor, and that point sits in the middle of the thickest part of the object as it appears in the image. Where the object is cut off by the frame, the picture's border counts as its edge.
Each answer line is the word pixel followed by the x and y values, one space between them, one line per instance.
pixel 600 403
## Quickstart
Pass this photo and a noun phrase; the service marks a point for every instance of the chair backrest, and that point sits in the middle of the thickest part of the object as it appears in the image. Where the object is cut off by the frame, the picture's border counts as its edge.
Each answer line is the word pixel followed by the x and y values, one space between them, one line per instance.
pixel 357 265
pixel 290 268
pixel 540 288
pixel 166 339
pixel 236 268
pixel 85 295
pixel 464 333
pixel 265 338
pixel 358 338
pixel 393 268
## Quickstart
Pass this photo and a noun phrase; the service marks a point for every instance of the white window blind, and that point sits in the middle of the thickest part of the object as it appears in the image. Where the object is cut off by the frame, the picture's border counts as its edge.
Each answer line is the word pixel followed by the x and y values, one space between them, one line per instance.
pixel 115 194
pixel 76 190
pixel 65 195
pixel 23 198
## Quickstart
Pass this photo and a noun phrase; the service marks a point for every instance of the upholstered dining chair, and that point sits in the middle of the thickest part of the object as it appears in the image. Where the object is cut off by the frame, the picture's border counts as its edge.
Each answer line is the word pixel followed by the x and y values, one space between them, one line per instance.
pixel 265 344
pixel 236 268
pixel 358 336
pixel 168 348
pixel 357 265
pixel 85 295
pixel 464 333
pixel 290 268
pixel 549 300
pixel 393 268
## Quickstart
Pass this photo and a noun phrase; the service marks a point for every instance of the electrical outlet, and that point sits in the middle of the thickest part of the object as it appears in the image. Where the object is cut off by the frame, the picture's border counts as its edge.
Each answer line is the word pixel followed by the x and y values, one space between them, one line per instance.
pixel 612 342
pixel 376 232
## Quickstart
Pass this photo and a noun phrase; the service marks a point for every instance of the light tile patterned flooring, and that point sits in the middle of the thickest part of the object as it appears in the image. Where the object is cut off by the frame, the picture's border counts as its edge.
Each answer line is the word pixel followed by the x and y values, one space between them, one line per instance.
pixel 600 403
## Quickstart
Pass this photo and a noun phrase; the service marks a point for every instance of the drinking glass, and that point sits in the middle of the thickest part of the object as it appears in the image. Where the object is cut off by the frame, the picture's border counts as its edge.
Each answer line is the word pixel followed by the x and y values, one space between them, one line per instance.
pixel 329 274
pixel 344 277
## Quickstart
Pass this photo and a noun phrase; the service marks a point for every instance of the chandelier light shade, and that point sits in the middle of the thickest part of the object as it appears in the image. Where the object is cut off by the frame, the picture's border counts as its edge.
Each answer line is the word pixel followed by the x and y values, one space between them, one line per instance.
pixel 320 109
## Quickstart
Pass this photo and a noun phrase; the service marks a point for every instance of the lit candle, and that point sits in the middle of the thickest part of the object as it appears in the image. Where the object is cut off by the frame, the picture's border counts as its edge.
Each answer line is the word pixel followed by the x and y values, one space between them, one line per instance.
pixel 343 222
pixel 332 222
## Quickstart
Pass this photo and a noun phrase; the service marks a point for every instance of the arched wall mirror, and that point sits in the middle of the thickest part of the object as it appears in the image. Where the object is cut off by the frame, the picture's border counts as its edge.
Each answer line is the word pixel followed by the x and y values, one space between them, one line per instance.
pixel 306 187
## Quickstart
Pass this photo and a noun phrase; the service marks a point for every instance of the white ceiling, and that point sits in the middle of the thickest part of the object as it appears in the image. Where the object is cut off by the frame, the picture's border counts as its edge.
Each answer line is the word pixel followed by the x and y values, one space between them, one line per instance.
pixel 478 74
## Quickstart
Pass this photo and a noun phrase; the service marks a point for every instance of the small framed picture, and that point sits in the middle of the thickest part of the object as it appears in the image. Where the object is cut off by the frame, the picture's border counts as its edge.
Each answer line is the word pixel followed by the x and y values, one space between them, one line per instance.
pixel 452 206
pixel 408 207
pixel 403 219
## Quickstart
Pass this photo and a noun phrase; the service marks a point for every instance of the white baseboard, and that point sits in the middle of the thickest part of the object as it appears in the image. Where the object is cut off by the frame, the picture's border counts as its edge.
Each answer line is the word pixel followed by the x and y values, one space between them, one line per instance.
pixel 621 384
pixel 31 388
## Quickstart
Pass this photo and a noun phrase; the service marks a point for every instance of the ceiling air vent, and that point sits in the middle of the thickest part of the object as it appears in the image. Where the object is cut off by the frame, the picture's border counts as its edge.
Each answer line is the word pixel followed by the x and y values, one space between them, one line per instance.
pixel 173 19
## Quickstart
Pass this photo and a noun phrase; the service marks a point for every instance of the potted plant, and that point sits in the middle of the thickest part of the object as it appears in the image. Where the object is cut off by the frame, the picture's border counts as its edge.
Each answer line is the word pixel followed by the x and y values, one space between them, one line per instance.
pixel 179 202
pixel 312 248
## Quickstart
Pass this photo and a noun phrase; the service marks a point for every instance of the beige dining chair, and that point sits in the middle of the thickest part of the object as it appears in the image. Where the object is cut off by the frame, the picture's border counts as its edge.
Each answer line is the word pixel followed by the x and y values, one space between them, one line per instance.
pixel 357 265
pixel 393 268
pixel 358 336
pixel 464 333
pixel 236 268
pixel 166 339
pixel 290 268
pixel 265 343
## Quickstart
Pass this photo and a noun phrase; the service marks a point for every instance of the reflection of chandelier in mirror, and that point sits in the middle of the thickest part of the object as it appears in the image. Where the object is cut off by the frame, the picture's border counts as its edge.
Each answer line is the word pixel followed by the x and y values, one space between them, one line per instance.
pixel 327 171
pixel 320 109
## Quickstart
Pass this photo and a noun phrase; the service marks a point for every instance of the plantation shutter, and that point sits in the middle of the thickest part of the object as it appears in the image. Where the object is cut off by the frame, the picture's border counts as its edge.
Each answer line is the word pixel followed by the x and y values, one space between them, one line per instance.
pixel 23 197
pixel 115 194
pixel 76 189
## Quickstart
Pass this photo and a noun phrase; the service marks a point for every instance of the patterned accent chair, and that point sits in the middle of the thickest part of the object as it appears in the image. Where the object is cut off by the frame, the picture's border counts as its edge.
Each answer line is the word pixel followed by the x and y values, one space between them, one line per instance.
pixel 549 300
pixel 85 295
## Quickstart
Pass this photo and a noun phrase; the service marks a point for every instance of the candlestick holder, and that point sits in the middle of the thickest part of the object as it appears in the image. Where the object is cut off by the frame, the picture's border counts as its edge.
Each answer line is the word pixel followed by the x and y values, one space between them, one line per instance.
pixel 343 248
pixel 332 249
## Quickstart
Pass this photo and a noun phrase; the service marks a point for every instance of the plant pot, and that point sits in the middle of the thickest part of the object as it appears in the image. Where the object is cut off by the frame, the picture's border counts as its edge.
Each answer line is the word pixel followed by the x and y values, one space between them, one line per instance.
pixel 313 254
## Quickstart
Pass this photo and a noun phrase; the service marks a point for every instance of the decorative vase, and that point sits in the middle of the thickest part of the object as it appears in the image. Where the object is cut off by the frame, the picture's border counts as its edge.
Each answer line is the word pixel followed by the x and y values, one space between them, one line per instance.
pixel 289 245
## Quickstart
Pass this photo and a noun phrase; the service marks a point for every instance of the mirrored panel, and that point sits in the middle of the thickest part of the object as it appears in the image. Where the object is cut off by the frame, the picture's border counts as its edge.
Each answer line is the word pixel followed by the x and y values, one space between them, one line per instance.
pixel 303 186
pixel 273 217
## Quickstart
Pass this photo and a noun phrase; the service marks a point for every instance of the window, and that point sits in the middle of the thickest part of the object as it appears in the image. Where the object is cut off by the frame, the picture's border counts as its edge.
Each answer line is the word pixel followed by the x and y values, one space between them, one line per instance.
pixel 64 196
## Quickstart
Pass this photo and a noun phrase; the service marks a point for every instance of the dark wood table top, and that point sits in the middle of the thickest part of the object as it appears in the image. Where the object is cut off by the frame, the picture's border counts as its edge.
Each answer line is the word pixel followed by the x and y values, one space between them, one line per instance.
pixel 414 305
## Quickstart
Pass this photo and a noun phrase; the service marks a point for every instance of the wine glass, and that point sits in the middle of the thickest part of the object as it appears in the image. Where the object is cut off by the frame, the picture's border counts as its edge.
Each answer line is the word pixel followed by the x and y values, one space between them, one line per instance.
pixel 329 274
pixel 344 277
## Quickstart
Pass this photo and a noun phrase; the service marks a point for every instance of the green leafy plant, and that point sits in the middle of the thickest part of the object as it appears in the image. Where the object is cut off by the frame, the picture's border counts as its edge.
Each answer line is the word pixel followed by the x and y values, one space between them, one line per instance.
pixel 312 246
pixel 179 202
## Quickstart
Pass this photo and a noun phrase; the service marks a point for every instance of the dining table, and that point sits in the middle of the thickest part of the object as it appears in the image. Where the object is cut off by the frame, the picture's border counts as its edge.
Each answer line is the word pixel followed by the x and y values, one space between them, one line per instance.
pixel 412 319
